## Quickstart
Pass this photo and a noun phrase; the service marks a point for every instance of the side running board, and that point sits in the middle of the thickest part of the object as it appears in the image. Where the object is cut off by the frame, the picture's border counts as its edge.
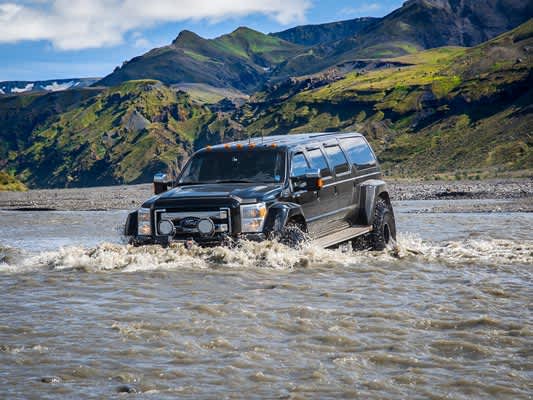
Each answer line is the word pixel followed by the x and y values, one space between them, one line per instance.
pixel 341 236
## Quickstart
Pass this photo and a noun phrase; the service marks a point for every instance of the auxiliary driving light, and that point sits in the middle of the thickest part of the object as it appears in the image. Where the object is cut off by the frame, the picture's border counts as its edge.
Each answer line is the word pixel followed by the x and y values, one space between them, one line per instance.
pixel 206 226
pixel 166 227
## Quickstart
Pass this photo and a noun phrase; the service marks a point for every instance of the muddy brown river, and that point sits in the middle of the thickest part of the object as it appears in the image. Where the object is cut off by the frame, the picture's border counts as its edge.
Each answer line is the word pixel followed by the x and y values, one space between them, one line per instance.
pixel 447 314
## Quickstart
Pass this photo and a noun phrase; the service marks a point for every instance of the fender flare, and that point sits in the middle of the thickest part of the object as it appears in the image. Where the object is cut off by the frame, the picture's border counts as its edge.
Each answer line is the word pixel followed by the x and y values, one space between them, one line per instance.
pixel 130 227
pixel 280 213
pixel 371 191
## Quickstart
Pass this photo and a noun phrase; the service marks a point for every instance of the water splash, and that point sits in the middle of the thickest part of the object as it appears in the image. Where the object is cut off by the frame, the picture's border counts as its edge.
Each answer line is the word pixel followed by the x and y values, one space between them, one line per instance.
pixel 267 255
pixel 492 252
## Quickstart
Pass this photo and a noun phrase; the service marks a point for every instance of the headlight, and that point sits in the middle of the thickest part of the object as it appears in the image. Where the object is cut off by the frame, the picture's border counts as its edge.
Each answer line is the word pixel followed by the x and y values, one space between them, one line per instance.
pixel 253 217
pixel 144 227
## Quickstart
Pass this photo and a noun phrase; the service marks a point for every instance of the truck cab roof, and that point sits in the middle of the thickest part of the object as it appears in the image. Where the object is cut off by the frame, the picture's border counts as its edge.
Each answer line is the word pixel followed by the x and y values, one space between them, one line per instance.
pixel 284 141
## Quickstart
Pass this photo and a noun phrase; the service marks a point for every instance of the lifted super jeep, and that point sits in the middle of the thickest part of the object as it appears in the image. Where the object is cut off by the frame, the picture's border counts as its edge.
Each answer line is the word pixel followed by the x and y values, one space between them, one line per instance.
pixel 322 186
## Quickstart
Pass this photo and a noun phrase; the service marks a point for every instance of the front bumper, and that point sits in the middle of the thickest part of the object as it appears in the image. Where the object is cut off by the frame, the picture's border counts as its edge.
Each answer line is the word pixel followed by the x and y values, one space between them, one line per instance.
pixel 221 240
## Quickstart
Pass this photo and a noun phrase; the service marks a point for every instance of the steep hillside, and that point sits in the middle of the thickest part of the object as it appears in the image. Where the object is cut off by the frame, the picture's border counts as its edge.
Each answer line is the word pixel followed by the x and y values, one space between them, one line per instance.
pixel 22 114
pixel 9 183
pixel 311 35
pixel 123 135
pixel 439 111
pixel 240 60
pixel 449 109
pixel 417 25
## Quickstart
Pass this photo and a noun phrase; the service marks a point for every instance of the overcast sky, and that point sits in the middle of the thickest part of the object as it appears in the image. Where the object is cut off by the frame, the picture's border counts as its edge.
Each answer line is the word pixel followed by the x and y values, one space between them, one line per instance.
pixel 47 39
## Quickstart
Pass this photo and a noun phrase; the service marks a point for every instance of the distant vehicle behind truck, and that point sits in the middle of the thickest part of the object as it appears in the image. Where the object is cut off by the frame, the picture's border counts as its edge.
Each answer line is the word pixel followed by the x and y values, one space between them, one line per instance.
pixel 323 187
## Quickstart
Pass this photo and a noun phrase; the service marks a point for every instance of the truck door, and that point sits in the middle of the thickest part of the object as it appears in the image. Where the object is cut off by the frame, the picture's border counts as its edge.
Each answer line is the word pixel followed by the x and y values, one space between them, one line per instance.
pixel 306 199
pixel 326 198
pixel 343 186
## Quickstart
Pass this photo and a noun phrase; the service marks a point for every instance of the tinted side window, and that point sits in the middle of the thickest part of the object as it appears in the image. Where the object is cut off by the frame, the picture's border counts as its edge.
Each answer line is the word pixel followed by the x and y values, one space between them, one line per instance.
pixel 359 152
pixel 337 159
pixel 299 165
pixel 317 160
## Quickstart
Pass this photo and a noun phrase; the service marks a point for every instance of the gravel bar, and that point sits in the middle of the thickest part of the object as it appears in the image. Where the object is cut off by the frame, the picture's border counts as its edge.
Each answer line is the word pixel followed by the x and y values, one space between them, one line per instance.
pixel 519 191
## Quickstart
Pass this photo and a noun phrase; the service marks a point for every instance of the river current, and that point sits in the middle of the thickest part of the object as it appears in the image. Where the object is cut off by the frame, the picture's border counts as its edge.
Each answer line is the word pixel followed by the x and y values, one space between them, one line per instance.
pixel 446 313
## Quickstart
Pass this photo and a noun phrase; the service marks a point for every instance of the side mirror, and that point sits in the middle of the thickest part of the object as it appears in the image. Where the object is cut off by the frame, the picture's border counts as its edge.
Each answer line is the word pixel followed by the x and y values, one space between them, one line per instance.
pixel 310 181
pixel 161 183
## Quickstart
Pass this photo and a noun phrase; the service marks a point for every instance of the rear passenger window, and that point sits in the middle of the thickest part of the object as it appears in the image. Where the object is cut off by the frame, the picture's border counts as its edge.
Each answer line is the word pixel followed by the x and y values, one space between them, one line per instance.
pixel 359 152
pixel 317 160
pixel 337 159
pixel 299 165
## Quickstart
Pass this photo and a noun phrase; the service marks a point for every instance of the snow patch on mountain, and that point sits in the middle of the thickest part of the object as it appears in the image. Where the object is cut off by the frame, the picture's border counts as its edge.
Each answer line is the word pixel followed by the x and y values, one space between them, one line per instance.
pixel 55 87
pixel 26 88
pixel 52 85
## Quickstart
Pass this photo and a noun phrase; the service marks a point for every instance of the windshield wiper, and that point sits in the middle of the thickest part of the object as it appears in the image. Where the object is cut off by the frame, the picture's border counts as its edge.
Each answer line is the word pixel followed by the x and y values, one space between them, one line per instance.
pixel 192 183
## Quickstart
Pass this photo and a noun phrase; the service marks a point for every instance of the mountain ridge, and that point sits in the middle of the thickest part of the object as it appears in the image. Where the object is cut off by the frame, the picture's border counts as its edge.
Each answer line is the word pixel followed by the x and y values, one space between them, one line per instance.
pixel 246 59
pixel 240 60
pixel 313 34
pixel 417 25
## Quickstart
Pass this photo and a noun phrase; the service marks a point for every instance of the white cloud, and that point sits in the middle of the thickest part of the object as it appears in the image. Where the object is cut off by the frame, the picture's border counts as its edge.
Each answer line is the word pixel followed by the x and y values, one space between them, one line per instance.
pixel 81 24
pixel 140 41
pixel 363 10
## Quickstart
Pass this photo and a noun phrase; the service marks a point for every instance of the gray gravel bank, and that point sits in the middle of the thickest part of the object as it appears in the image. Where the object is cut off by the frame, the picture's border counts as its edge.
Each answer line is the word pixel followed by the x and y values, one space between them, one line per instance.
pixel 519 191
pixel 502 189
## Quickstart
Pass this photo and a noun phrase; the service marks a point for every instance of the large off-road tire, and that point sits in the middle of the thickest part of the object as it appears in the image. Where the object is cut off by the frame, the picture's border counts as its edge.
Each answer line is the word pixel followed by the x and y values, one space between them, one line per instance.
pixel 384 227
pixel 292 235
pixel 361 243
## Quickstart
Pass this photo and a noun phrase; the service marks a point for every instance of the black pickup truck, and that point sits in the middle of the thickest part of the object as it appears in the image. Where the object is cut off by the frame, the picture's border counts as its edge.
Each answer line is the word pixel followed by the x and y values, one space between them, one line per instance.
pixel 324 187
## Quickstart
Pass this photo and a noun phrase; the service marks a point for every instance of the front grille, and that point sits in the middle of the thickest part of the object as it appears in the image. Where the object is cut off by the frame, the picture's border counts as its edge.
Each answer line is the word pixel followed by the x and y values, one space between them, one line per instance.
pixel 185 222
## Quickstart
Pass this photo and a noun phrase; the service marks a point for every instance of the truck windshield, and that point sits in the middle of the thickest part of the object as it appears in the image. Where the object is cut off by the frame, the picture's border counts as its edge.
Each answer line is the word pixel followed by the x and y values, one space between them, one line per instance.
pixel 258 166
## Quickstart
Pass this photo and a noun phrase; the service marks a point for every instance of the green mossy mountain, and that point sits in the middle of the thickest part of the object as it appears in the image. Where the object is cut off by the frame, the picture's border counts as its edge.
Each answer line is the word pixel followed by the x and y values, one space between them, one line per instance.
pixel 20 115
pixel 122 135
pixel 246 59
pixel 445 109
pixel 240 60
pixel 427 113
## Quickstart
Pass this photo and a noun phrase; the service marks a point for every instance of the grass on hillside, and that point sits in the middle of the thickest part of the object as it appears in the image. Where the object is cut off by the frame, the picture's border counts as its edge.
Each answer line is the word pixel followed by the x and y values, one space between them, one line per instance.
pixel 8 182
pixel 429 67
pixel 451 109
pixel 126 128
pixel 207 94
pixel 245 43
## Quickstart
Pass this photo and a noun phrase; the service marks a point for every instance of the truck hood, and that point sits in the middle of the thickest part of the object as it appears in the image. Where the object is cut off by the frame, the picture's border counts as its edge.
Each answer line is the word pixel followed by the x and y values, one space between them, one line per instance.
pixel 242 191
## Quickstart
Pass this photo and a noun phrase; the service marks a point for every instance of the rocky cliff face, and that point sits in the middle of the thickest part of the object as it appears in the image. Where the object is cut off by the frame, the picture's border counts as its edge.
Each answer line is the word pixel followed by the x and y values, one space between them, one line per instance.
pixel 311 35
pixel 469 22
